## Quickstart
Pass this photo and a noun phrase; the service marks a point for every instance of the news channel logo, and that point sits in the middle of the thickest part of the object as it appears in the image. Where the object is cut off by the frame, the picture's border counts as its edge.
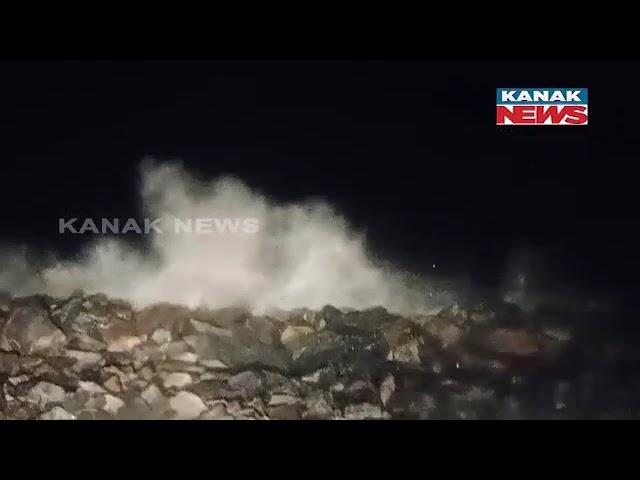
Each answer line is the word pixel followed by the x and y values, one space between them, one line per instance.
pixel 542 106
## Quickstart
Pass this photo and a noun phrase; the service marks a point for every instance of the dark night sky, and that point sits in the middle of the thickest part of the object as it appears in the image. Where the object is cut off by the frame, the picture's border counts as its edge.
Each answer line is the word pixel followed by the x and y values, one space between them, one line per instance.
pixel 408 150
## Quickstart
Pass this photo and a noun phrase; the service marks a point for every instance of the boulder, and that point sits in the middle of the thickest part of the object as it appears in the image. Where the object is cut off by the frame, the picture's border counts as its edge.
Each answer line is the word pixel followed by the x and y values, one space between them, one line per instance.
pixel 45 394
pixel 28 331
pixel 57 413
pixel 187 406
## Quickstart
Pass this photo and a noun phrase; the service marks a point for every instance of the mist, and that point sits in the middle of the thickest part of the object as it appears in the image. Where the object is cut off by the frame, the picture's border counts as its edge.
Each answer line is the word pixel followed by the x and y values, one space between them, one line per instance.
pixel 302 255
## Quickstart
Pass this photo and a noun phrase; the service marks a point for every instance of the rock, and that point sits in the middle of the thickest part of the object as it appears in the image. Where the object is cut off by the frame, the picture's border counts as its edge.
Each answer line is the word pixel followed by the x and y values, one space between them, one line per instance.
pixel 57 413
pixel 177 366
pixel 448 328
pixel 510 341
pixel 360 391
pixel 85 360
pixel 412 404
pixel 125 343
pixel 406 352
pixel 112 404
pixel 278 399
pixel 174 349
pixel 223 317
pixel 284 412
pixel 387 388
pixel 152 395
pixel 213 364
pixel 161 336
pixel 146 374
pixel 177 380
pixel 365 411
pixel 218 411
pixel 44 394
pixel 241 350
pixel 91 325
pixel 187 406
pixel 12 364
pixel 293 337
pixel 246 385
pixel 28 331
pixel 279 384
pixel 187 357
pixel 138 409
pixel 318 407
pixel 17 380
pixel 327 348
pixel 266 332
pixel 368 321
pixel 173 318
pixel 209 389
pixel 113 384
pixel 321 378
pixel 91 388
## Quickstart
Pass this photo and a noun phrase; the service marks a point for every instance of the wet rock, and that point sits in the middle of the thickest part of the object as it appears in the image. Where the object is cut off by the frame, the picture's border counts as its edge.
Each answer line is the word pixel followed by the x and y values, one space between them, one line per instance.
pixel 177 380
pixel 209 389
pixel 412 404
pixel 152 395
pixel 406 351
pixel 279 384
pixel 166 316
pixel 85 360
pixel 365 411
pixel 28 331
pixel 138 409
pixel 113 384
pixel 223 317
pixel 387 388
pixel 284 412
pixel 111 404
pixel 187 406
pixel 318 406
pixel 246 385
pixel 146 373
pixel 161 336
pixel 91 388
pixel 57 413
pixel 218 411
pixel 89 326
pixel 293 337
pixel 118 358
pixel 281 399
pixel 509 341
pixel 213 364
pixel 448 330
pixel 13 364
pixel 321 378
pixel 366 321
pixel 242 349
pixel 44 394
pixel 359 391
pixel 123 343
pixel 327 348
pixel 265 330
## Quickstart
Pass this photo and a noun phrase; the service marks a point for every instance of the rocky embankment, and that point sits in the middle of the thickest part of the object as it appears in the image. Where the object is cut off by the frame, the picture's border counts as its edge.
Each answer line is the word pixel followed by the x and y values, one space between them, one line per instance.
pixel 90 357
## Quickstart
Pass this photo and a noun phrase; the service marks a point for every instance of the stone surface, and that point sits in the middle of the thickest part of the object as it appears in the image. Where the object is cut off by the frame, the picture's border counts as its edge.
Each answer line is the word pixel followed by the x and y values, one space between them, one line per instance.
pixel 92 357
pixel 187 406
pixel 29 331
pixel 57 413
pixel 177 380
pixel 44 394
